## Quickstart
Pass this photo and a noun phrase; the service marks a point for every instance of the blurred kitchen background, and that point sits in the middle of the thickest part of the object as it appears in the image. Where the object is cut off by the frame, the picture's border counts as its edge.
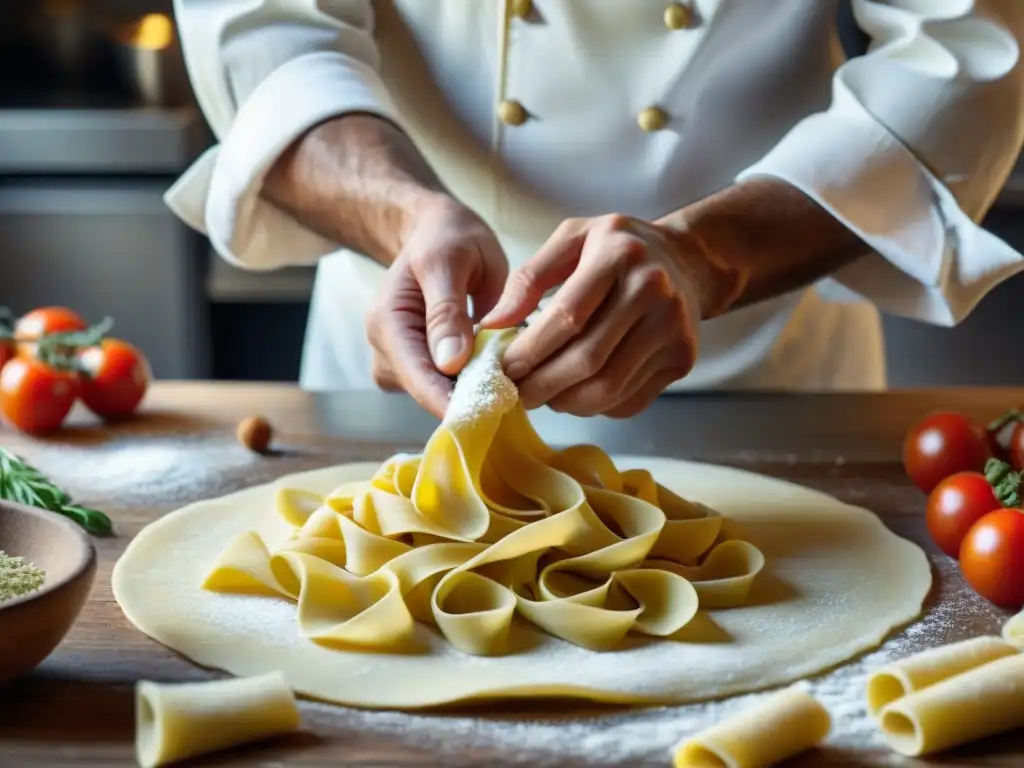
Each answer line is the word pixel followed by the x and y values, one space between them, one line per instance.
pixel 96 122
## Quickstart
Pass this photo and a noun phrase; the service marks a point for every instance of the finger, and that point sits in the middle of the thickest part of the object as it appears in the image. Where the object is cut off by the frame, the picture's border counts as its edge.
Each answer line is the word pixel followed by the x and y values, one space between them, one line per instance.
pixel 669 363
pixel 638 357
pixel 587 356
pixel 570 310
pixel 644 396
pixel 444 283
pixel 489 282
pixel 417 374
pixel 655 366
pixel 384 375
pixel 551 265
pixel 403 341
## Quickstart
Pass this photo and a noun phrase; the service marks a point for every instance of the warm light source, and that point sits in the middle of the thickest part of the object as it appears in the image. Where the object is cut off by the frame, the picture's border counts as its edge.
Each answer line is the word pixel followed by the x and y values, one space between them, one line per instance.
pixel 152 32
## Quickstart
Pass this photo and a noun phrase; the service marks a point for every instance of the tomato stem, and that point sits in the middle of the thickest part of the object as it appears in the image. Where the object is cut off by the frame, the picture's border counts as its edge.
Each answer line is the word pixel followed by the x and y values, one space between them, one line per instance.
pixel 999 424
pixel 1006 484
pixel 7 320
pixel 58 350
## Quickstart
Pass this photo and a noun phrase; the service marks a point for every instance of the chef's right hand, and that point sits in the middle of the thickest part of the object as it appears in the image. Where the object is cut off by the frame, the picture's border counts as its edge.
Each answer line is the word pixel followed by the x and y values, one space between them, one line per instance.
pixel 420 328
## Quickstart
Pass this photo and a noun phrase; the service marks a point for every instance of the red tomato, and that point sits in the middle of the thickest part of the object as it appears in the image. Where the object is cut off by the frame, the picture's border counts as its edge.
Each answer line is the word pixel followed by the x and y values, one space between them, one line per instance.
pixel 941 445
pixel 955 505
pixel 6 352
pixel 992 558
pixel 45 320
pixel 1015 449
pixel 34 397
pixel 48 320
pixel 116 377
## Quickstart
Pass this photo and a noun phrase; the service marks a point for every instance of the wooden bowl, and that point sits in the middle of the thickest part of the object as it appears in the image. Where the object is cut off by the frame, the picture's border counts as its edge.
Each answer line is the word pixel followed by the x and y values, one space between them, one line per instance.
pixel 33 625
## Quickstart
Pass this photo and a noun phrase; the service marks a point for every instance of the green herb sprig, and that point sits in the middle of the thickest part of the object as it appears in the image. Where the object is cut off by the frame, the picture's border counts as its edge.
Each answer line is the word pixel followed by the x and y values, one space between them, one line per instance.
pixel 23 483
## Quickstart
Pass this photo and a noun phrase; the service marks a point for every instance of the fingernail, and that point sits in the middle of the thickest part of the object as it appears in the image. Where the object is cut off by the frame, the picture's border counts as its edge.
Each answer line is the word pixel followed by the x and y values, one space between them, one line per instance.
pixel 487 318
pixel 446 350
pixel 516 371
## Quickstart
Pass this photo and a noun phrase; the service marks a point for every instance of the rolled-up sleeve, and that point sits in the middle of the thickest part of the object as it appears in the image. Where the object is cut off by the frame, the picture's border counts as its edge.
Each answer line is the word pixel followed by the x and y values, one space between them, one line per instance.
pixel 265 73
pixel 920 137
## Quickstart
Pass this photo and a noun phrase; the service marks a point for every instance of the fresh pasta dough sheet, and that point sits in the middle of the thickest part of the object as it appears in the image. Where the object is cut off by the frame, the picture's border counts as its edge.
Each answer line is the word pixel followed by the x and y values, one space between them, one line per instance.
pixel 1013 631
pixel 492 565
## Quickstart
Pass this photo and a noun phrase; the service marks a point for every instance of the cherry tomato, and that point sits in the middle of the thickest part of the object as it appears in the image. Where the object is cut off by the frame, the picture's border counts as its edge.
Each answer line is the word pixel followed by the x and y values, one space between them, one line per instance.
pixel 48 320
pixel 941 445
pixel 45 320
pixel 955 505
pixel 1015 448
pixel 116 377
pixel 34 397
pixel 6 352
pixel 992 558
pixel 997 444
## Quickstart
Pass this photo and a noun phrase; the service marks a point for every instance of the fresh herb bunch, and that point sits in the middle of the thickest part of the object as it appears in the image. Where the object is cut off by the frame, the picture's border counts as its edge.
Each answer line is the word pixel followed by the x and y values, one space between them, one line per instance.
pixel 21 482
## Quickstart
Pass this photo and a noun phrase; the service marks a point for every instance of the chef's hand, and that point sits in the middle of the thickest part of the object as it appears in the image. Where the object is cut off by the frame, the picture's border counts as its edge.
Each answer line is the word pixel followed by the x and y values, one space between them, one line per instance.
pixel 621 328
pixel 420 328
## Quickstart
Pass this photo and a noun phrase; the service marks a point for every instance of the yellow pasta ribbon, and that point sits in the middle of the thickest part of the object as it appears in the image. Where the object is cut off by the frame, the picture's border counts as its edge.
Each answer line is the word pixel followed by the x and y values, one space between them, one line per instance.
pixel 488 524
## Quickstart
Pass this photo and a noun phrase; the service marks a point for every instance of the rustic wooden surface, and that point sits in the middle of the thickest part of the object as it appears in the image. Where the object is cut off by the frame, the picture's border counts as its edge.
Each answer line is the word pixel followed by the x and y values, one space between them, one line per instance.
pixel 77 708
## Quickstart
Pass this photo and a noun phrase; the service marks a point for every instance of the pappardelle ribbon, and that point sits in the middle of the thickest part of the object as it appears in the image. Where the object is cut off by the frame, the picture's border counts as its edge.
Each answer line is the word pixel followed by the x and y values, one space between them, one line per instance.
pixel 487 524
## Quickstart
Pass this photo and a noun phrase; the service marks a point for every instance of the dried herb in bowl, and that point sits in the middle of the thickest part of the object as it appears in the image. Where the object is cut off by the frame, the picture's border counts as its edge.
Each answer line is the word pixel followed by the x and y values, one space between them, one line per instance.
pixel 22 483
pixel 18 577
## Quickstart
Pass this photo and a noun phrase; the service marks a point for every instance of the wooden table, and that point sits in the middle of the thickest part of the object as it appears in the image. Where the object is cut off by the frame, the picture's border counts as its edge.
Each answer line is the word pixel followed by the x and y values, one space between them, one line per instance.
pixel 77 708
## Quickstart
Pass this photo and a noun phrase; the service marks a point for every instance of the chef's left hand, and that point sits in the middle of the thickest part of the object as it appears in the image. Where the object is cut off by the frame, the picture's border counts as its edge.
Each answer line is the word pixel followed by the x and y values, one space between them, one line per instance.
pixel 621 328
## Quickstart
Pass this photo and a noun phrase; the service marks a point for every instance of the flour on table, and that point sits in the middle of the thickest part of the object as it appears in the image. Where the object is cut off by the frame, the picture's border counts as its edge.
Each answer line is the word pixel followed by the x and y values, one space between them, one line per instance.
pixel 635 736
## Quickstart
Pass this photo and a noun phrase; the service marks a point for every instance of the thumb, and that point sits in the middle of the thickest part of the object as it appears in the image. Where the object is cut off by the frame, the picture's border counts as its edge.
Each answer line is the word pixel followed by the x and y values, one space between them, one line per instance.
pixel 550 266
pixel 449 329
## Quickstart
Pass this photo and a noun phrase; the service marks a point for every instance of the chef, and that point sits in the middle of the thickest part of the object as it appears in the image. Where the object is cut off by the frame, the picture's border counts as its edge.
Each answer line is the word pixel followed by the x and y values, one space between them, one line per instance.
pixel 670 195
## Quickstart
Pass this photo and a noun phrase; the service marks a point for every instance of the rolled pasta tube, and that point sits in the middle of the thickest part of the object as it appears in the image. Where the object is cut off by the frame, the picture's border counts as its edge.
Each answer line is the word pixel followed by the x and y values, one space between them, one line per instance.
pixel 923 669
pixel 1013 631
pixel 777 728
pixel 981 702
pixel 178 721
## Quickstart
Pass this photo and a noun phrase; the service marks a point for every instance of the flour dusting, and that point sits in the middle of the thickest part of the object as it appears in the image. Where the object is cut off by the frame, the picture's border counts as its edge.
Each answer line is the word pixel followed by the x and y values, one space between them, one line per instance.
pixel 482 386
pixel 644 736
pixel 249 616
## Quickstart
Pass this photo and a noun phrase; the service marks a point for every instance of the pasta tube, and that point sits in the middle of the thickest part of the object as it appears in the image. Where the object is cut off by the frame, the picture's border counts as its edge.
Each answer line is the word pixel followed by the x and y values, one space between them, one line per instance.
pixel 981 702
pixel 923 669
pixel 779 727
pixel 175 722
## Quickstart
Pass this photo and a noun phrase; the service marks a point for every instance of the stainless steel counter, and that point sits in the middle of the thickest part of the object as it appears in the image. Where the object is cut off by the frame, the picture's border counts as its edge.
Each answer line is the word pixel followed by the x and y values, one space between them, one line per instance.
pixel 99 140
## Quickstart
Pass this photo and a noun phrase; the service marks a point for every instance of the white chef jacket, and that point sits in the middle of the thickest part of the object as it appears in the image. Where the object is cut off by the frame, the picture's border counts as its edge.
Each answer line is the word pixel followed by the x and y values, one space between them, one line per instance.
pixel 907 145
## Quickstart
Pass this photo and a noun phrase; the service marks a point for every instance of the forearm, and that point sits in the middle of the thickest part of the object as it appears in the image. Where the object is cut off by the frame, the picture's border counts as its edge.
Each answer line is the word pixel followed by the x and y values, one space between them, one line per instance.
pixel 358 180
pixel 759 239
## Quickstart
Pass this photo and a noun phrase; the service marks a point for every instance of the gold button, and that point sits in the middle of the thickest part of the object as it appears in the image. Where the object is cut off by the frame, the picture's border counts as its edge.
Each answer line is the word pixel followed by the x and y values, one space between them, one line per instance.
pixel 521 8
pixel 511 113
pixel 678 16
pixel 652 119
